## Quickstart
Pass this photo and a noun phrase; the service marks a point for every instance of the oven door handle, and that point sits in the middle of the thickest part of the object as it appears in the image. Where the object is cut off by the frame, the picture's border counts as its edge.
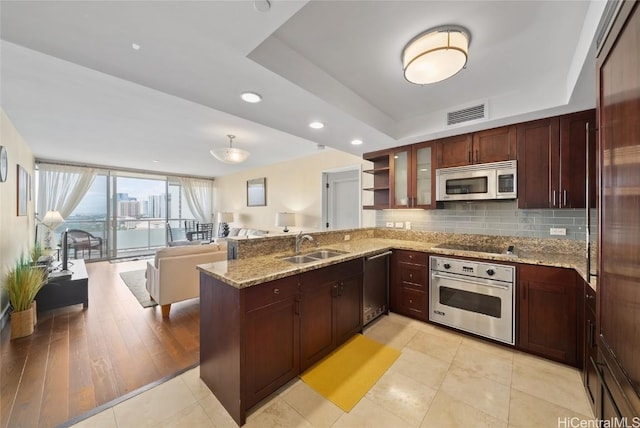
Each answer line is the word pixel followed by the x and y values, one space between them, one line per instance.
pixel 453 278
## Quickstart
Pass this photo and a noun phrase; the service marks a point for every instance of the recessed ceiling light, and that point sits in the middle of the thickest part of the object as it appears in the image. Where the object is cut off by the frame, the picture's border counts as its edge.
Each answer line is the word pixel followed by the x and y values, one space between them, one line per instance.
pixel 251 97
pixel 356 142
pixel 135 46
pixel 155 161
pixel 316 125
pixel 262 5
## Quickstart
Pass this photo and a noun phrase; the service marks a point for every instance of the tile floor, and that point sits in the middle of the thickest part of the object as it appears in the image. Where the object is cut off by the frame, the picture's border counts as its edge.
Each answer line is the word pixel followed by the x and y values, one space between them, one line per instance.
pixel 441 379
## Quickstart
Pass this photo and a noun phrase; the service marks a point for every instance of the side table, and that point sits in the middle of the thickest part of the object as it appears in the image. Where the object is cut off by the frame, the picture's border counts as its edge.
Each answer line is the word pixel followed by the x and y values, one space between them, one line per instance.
pixel 60 292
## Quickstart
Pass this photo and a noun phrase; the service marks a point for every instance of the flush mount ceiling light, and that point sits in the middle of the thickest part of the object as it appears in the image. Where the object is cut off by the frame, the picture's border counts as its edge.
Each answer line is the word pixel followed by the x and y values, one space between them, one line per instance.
pixel 251 97
pixel 435 55
pixel 356 142
pixel 230 155
pixel 316 125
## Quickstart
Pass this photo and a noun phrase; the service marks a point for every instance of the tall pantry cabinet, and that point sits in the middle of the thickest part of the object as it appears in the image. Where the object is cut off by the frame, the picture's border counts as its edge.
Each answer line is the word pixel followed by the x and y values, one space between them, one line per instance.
pixel 618 296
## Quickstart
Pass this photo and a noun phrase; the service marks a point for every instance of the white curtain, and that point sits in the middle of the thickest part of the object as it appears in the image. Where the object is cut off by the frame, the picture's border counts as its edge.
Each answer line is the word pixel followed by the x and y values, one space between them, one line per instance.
pixel 199 194
pixel 62 187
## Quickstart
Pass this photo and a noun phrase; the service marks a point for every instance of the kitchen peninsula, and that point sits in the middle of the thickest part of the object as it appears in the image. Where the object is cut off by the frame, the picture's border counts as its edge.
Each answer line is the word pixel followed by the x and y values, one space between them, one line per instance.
pixel 264 320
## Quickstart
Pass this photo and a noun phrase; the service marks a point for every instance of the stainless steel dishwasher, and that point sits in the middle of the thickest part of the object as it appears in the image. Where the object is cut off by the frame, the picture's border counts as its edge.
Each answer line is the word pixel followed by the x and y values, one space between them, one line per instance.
pixel 376 286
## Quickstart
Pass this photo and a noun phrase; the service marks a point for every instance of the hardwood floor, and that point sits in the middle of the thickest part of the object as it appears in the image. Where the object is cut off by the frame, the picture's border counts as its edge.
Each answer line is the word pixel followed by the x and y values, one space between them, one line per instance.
pixel 78 359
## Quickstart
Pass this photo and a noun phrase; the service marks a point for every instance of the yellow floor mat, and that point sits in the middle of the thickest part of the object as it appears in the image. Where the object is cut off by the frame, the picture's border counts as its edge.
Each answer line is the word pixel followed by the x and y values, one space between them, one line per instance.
pixel 345 375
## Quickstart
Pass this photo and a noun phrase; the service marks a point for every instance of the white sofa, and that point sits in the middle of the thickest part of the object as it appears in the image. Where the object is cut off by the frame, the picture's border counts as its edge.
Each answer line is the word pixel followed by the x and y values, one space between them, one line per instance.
pixel 173 277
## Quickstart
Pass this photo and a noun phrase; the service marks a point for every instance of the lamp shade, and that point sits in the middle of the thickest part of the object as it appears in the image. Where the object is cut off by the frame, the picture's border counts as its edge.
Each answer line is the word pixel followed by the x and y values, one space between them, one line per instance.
pixel 285 219
pixel 52 219
pixel 435 55
pixel 225 217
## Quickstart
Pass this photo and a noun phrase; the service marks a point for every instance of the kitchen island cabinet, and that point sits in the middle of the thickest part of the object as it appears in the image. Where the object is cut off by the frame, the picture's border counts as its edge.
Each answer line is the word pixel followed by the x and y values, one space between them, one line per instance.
pixel 548 313
pixel 331 309
pixel 255 339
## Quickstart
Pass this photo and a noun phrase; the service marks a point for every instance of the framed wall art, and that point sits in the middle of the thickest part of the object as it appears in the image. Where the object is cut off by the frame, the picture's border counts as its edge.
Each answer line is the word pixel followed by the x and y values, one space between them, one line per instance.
pixel 23 190
pixel 257 192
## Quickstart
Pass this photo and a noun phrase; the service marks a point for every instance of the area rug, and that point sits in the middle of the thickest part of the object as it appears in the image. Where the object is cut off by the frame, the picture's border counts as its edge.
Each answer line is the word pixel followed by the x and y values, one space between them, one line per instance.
pixel 136 282
pixel 345 375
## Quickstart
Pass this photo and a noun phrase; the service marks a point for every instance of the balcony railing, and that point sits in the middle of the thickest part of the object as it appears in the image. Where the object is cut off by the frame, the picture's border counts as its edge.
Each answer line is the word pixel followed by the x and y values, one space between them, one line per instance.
pixel 133 236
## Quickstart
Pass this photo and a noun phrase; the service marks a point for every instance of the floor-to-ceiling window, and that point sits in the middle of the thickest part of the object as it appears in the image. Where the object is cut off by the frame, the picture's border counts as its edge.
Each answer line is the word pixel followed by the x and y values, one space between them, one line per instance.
pixel 129 211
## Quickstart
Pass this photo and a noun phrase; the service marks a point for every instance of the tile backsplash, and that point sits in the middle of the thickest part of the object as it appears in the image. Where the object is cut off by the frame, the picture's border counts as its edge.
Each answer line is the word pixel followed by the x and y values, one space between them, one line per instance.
pixel 492 218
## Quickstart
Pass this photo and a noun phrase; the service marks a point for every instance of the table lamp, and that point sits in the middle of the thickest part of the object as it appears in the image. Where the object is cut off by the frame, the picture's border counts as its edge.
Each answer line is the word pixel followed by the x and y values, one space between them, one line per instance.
pixel 285 220
pixel 51 220
pixel 224 218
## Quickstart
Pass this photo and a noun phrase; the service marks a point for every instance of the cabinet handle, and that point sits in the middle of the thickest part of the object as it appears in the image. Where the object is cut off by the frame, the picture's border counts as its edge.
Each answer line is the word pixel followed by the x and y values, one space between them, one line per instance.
pixel 410 275
pixel 276 291
pixel 554 199
pixel 410 301
pixel 564 195
pixel 591 334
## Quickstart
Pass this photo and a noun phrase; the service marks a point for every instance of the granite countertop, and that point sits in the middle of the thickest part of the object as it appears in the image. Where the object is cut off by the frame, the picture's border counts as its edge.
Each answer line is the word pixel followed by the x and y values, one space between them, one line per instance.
pixel 256 270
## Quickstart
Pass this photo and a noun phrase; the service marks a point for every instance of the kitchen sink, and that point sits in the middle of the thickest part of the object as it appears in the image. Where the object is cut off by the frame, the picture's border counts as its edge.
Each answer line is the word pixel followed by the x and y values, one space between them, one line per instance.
pixel 325 254
pixel 299 259
pixel 313 257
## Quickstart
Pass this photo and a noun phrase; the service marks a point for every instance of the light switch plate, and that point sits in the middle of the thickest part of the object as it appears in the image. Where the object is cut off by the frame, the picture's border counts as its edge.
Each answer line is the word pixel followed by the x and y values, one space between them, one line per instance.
pixel 399 224
pixel 560 231
pixel 389 224
pixel 407 225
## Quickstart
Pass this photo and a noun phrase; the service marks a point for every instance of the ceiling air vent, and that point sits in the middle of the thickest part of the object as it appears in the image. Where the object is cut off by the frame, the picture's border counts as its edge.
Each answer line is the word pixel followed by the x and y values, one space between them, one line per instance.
pixel 467 114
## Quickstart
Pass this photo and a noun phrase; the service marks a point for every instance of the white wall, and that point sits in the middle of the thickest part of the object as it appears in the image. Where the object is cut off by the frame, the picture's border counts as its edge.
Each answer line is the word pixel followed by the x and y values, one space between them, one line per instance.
pixel 292 186
pixel 16 233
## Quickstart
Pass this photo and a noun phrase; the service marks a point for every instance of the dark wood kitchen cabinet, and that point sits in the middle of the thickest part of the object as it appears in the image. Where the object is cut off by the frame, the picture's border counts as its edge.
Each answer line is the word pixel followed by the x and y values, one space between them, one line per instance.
pixel 408 291
pixel 381 173
pixel 618 296
pixel 491 145
pixel 590 348
pixel 548 313
pixel 271 337
pixel 404 177
pixel 330 309
pixel 552 161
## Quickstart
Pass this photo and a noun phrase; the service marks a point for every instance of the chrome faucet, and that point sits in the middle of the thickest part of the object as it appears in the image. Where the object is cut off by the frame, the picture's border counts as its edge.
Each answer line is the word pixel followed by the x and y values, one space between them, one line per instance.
pixel 300 238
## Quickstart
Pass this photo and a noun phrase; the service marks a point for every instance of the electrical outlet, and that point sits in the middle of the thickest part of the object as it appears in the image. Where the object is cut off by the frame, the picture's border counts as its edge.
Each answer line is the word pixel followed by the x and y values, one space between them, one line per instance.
pixel 347 237
pixel 399 225
pixel 561 231
pixel 407 225
pixel 389 224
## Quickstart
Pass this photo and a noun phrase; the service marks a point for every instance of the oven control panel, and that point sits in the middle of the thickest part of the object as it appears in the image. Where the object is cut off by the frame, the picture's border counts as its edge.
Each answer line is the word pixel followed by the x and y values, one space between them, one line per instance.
pixel 496 272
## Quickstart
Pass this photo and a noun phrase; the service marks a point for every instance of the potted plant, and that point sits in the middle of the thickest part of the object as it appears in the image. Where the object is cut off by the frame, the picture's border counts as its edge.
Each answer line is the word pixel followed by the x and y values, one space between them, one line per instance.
pixel 22 284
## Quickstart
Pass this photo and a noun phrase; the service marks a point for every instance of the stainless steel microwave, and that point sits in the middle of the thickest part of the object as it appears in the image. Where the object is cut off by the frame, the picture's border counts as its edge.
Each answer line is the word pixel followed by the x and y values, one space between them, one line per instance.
pixel 497 180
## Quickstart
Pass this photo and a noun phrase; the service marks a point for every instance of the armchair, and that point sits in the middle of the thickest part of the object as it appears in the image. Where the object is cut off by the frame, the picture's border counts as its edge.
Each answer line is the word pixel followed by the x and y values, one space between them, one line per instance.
pixel 83 240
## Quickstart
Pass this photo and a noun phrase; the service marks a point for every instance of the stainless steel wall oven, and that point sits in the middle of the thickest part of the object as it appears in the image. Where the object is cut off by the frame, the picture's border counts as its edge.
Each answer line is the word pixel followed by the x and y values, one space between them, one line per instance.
pixel 473 296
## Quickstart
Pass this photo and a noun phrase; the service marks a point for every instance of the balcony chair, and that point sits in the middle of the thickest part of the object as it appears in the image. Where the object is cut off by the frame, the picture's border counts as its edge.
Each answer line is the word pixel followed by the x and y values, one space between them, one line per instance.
pixel 83 240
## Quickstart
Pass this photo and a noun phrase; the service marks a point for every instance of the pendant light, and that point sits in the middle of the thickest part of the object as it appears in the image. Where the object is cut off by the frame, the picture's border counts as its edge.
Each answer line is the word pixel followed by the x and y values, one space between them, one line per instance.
pixel 230 155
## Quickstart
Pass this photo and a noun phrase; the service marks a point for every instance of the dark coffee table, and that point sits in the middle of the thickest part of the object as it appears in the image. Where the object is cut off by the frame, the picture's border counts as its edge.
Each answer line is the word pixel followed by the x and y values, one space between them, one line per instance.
pixel 65 291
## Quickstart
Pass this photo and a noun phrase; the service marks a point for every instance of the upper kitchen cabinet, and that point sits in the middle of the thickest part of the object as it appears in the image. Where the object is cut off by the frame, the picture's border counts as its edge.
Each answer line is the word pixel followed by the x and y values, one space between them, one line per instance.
pixel 407 180
pixel 552 161
pixel 381 178
pixel 491 145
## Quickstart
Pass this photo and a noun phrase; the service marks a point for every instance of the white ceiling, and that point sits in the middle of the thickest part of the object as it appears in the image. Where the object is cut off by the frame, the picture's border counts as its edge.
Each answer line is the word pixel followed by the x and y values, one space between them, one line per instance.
pixel 76 90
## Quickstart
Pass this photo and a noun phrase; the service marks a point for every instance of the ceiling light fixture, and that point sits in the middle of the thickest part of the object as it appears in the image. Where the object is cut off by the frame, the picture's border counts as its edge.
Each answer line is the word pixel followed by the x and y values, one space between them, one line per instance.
pixel 135 46
pixel 435 55
pixel 356 142
pixel 230 155
pixel 251 97
pixel 262 5
pixel 316 125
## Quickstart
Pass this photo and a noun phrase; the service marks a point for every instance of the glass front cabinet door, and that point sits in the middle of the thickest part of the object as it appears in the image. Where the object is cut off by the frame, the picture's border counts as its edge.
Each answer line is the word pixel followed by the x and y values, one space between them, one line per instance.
pixel 413 176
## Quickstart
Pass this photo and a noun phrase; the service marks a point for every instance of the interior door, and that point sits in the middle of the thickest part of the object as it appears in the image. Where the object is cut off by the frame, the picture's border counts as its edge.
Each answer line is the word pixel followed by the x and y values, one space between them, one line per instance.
pixel 342 199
